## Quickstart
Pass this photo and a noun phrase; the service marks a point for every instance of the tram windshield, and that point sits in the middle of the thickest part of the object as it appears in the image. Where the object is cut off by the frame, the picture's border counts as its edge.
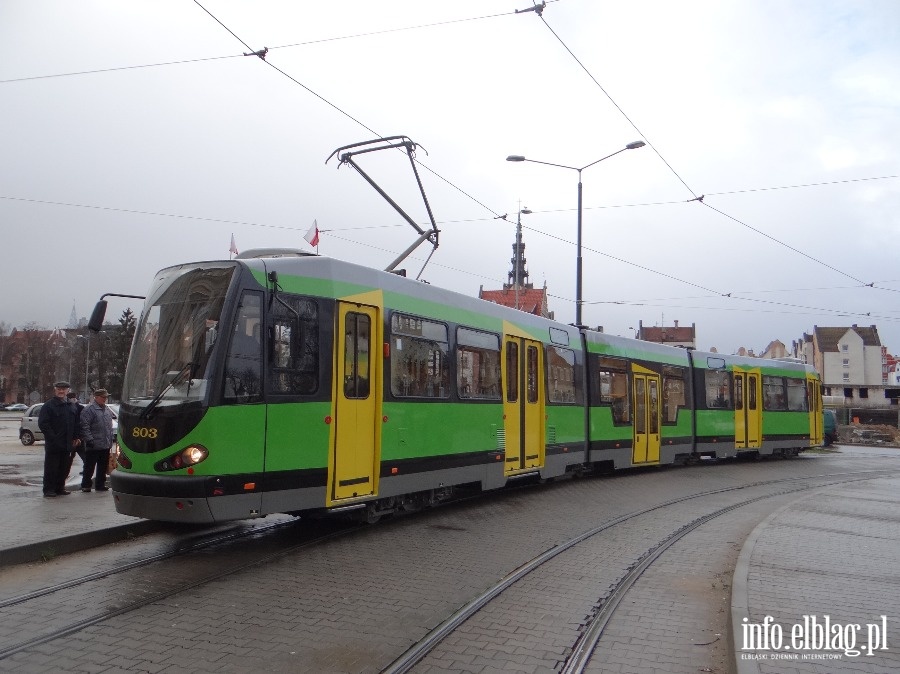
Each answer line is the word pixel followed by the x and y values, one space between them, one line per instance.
pixel 170 358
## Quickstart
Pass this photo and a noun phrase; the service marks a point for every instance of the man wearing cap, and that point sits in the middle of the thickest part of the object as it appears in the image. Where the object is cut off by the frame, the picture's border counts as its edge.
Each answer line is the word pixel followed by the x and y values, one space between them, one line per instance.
pixel 58 422
pixel 97 434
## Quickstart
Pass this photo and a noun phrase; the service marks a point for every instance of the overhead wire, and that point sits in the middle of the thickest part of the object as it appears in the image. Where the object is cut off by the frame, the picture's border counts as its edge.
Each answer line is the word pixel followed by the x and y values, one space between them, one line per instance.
pixel 283 46
pixel 432 171
pixel 261 54
pixel 782 243
pixel 335 233
pixel 117 68
pixel 616 105
pixel 695 197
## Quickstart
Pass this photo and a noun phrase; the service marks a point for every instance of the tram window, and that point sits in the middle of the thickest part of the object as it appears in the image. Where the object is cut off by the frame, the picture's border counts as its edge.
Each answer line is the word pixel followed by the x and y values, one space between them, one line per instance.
pixel 797 399
pixel 714 363
pixel 718 389
pixel 752 403
pixel 653 388
pixel 609 386
pixel 420 365
pixel 357 340
pixel 774 397
pixel 512 372
pixel 243 366
pixel 477 364
pixel 738 391
pixel 560 375
pixel 674 392
pixel 640 405
pixel 558 336
pixel 531 374
pixel 294 346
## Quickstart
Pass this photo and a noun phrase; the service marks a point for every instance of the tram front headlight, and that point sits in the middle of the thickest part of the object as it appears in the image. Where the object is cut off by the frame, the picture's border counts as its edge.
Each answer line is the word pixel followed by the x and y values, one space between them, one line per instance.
pixel 186 458
pixel 195 454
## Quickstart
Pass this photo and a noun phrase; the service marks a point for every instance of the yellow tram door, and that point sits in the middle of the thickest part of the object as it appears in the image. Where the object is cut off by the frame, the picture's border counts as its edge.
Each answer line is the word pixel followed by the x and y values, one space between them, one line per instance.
pixel 816 427
pixel 523 404
pixel 747 408
pixel 646 388
pixel 353 462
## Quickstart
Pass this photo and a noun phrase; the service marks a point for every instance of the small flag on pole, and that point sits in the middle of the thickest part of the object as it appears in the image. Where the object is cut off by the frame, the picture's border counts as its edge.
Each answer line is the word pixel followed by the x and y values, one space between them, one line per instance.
pixel 233 250
pixel 313 234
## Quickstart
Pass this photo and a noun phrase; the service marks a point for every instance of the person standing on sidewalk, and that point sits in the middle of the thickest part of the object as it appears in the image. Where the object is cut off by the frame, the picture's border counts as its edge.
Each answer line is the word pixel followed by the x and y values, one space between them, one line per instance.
pixel 97 434
pixel 58 422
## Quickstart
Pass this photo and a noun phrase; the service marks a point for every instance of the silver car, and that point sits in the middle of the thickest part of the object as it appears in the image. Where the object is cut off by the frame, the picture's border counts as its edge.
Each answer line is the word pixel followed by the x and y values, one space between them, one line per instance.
pixel 28 427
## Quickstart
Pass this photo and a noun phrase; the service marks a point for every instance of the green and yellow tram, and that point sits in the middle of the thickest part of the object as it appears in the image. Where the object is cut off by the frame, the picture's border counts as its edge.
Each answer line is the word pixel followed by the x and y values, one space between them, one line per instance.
pixel 283 382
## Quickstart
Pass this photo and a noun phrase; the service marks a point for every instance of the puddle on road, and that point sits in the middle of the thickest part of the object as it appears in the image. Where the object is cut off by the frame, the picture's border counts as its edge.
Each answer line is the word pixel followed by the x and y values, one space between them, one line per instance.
pixel 13 475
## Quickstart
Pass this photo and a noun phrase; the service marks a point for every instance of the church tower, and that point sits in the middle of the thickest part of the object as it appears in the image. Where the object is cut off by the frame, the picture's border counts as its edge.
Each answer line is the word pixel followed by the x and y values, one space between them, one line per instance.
pixel 518 275
pixel 518 293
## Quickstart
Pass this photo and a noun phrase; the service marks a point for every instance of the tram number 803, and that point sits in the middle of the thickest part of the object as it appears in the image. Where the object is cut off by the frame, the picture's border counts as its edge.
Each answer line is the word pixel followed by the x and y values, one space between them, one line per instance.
pixel 144 432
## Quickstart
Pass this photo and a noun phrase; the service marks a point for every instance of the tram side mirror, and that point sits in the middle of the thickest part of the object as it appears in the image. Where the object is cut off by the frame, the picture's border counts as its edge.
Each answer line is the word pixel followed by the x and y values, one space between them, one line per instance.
pixel 96 322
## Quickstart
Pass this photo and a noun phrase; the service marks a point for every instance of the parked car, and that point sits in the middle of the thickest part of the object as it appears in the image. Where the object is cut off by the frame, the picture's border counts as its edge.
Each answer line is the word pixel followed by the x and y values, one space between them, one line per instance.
pixel 16 407
pixel 28 427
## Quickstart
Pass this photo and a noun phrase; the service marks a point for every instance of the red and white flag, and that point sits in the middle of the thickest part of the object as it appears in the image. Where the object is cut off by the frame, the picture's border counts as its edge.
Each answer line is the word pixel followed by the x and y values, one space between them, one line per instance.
pixel 233 248
pixel 313 234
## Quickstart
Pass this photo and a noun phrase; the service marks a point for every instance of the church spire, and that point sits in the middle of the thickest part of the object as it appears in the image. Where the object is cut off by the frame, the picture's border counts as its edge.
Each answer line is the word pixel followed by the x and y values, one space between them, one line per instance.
pixel 518 275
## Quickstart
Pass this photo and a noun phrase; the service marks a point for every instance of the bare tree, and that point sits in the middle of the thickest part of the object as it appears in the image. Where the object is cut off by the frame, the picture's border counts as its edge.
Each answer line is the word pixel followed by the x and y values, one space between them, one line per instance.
pixel 38 361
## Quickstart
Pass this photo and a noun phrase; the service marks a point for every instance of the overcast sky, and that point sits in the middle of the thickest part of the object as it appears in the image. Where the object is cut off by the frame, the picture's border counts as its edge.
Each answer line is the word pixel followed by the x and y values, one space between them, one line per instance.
pixel 783 115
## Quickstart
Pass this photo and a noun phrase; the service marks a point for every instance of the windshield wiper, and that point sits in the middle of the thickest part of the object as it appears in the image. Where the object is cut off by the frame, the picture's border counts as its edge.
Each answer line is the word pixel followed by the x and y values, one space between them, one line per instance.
pixel 174 381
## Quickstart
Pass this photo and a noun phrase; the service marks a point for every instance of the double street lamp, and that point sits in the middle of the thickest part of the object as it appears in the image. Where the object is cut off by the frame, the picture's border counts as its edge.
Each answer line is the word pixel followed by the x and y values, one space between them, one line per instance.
pixel 578 273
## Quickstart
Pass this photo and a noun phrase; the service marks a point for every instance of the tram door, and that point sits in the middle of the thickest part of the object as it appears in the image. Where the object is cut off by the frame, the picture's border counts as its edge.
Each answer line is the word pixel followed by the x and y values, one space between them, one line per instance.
pixel 523 404
pixel 747 417
pixel 352 465
pixel 814 393
pixel 645 385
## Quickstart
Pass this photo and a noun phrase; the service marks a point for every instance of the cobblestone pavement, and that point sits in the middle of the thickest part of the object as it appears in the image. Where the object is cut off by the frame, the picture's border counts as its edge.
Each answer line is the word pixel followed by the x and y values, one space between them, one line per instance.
pixel 355 603
pixel 825 566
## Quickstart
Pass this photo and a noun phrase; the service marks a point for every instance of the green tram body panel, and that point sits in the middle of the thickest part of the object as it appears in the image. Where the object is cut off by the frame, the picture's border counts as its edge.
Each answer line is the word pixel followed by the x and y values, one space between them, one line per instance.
pixel 298 435
pixel 457 440
pixel 415 430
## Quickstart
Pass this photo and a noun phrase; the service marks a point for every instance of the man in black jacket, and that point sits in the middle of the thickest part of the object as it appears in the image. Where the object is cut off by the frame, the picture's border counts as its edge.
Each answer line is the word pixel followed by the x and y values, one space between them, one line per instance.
pixel 58 422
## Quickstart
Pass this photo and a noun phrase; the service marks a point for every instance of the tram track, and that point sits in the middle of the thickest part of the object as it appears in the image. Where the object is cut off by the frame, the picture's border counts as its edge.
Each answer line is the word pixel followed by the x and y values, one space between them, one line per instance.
pixel 312 538
pixel 604 609
pixel 84 582
pixel 145 561
pixel 141 592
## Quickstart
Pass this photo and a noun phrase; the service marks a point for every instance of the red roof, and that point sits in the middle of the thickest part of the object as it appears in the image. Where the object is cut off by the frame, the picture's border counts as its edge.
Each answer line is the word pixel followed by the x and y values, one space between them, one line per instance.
pixel 682 334
pixel 531 300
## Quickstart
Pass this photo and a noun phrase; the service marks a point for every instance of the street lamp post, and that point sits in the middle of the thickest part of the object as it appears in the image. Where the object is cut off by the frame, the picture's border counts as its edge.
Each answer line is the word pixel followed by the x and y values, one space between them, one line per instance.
pixel 578 267
pixel 87 366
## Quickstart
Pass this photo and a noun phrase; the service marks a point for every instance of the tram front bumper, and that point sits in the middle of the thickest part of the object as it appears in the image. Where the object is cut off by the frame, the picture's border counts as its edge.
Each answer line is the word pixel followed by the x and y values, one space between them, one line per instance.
pixel 162 498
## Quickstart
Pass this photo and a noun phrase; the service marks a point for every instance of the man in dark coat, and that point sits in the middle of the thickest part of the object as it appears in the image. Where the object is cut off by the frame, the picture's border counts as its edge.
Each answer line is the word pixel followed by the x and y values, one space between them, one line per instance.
pixel 58 422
